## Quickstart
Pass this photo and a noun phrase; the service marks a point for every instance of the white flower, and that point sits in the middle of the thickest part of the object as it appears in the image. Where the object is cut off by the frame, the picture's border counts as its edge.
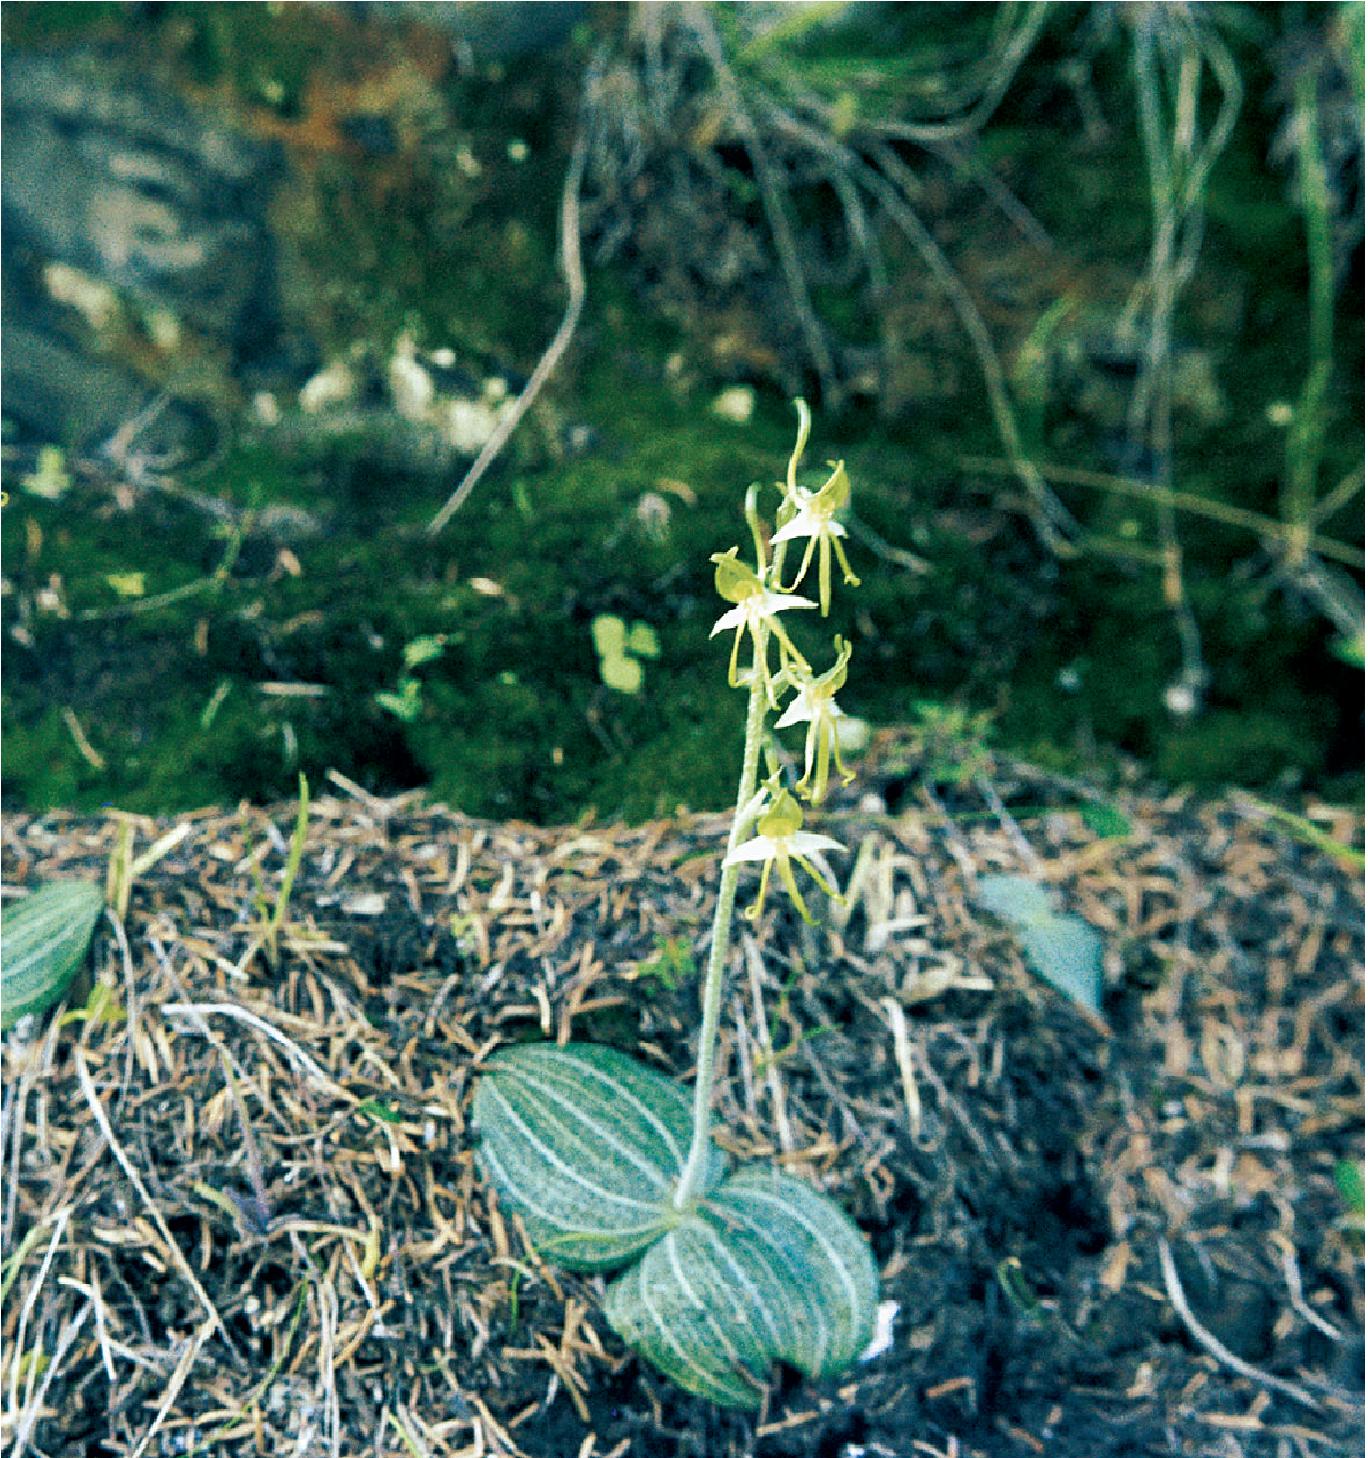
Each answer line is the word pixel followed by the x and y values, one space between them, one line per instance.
pixel 757 609
pixel 781 841
pixel 755 605
pixel 814 518
pixel 815 705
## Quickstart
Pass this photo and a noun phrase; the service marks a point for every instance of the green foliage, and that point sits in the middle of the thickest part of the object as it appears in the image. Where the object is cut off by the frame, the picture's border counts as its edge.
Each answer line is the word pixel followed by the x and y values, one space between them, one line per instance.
pixel 954 742
pixel 273 914
pixel 621 649
pixel 672 963
pixel 765 1269
pixel 50 478
pixel 470 263
pixel 1061 948
pixel 1301 828
pixel 43 944
pixel 587 1146
pixel 1105 821
pixel 406 701
pixel 1349 1183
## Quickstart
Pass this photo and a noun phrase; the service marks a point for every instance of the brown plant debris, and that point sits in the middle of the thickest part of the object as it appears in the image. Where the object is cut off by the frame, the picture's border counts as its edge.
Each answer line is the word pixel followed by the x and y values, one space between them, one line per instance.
pixel 242 1213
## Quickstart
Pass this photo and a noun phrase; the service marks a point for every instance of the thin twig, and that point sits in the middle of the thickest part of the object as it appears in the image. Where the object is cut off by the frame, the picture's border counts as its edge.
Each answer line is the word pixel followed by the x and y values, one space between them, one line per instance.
pixel 1024 848
pixel 173 1387
pixel 173 1251
pixel 232 1010
pixel 33 1408
pixel 902 1053
pixel 85 748
pixel 772 197
pixel 1222 1353
pixel 885 550
pixel 1292 1275
pixel 1235 516
pixel 572 268
pixel 31 1300
pixel 755 968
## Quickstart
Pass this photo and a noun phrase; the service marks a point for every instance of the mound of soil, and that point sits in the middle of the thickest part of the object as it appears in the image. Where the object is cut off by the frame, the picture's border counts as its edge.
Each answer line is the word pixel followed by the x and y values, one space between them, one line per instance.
pixel 244 1214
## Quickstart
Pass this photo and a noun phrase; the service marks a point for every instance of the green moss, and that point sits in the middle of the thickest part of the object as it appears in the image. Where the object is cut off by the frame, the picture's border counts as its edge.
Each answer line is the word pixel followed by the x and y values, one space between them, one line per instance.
pixel 514 719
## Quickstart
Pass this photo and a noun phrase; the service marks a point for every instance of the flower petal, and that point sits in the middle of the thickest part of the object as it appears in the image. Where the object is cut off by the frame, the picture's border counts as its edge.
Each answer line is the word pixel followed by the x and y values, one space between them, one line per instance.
pixel 781 602
pixel 762 848
pixel 804 524
pixel 801 710
pixel 805 842
pixel 732 618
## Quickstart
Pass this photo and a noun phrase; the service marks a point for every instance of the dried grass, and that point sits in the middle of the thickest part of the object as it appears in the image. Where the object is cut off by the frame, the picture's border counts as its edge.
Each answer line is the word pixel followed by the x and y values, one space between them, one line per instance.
pixel 243 1212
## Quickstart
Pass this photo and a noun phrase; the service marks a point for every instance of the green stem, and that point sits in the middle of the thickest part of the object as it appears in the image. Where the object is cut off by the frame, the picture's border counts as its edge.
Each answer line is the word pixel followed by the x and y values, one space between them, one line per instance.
pixel 692 1179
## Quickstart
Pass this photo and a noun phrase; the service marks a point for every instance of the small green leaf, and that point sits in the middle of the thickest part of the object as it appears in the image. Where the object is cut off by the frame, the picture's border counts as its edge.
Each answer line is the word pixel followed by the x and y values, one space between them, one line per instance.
pixel 1349 1182
pixel 127 584
pixel 418 651
pixel 587 1145
pixel 609 634
pixel 643 641
pixel 380 1111
pixel 405 705
pixel 50 479
pixel 765 1269
pixel 622 674
pixel 43 942
pixel 1105 821
pixel 1067 953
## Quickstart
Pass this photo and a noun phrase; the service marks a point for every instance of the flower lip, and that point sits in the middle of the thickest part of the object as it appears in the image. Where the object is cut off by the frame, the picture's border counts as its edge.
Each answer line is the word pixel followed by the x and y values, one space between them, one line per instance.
pixel 762 604
pixel 810 520
pixel 765 847
pixel 807 704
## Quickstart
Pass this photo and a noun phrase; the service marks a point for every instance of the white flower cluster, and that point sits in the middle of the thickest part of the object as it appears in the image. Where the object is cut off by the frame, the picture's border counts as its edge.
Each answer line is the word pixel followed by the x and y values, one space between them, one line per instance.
pixel 758 596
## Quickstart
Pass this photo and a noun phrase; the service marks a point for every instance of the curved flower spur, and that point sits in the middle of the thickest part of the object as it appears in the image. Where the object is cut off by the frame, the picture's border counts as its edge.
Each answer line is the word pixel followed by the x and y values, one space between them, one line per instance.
pixel 811 515
pixel 610 1165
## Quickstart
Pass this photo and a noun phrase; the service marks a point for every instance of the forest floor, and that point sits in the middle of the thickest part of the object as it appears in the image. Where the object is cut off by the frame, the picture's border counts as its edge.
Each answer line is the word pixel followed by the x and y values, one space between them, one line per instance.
pixel 244 1215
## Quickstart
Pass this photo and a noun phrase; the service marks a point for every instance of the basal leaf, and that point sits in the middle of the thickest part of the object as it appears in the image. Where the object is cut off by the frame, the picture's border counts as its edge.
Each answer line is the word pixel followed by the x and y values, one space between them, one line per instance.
pixel 1017 899
pixel 1067 953
pixel 1061 948
pixel 764 1269
pixel 587 1146
pixel 43 941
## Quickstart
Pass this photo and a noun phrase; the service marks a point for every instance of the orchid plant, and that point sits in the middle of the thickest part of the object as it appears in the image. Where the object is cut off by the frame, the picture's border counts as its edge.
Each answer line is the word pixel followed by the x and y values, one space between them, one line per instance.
pixel 612 1166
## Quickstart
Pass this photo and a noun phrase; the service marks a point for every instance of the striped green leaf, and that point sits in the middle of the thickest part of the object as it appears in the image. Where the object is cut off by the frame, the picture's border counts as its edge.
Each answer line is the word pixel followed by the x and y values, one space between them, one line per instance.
pixel 43 941
pixel 765 1269
pixel 587 1146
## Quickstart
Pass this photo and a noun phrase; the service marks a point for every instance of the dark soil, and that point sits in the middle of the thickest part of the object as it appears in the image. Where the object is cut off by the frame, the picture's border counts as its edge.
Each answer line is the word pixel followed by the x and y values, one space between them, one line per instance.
pixel 1020 1209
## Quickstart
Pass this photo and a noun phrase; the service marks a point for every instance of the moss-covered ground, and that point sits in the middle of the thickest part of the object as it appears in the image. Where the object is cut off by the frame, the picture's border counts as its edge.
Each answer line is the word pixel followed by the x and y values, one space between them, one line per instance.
pixel 118 699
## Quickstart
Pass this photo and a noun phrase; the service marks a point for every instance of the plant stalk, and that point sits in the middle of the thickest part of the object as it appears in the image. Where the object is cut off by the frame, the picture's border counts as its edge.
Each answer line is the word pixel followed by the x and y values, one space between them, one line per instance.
pixel 692 1178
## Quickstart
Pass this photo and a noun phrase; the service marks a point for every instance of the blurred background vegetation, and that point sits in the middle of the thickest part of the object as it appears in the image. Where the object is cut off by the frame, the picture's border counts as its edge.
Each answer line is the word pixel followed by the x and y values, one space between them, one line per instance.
pixel 1076 290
